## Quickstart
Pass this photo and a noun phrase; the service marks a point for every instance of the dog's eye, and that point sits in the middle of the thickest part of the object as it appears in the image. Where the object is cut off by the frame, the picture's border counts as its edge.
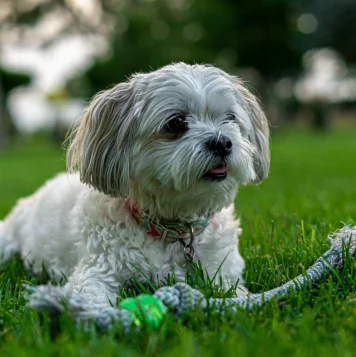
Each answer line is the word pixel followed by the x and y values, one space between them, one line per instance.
pixel 230 117
pixel 177 125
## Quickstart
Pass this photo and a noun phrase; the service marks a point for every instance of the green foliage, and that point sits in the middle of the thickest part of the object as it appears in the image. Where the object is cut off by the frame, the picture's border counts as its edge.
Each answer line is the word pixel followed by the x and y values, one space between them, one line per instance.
pixel 285 220
pixel 336 26
pixel 230 34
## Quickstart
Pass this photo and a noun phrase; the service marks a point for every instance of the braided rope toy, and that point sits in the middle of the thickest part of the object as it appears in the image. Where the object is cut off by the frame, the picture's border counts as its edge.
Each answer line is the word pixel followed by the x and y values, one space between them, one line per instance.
pixel 149 310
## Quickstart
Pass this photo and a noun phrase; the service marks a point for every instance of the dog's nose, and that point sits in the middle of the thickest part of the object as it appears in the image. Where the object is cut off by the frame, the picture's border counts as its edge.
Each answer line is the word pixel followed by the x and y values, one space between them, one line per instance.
pixel 221 146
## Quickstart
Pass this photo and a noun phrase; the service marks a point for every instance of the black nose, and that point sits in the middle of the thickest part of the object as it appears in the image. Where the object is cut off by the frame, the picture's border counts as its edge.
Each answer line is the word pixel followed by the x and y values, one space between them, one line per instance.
pixel 221 146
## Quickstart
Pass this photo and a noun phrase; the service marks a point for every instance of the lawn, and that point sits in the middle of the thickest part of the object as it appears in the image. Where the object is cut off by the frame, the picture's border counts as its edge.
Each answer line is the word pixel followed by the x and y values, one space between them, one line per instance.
pixel 310 192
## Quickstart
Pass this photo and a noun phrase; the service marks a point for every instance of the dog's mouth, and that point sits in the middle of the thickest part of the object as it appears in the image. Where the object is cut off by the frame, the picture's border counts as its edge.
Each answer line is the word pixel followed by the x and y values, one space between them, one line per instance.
pixel 217 173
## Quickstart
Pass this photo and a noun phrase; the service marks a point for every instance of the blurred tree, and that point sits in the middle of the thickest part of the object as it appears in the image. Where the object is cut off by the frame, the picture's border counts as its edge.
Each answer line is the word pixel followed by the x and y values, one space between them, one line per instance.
pixel 37 23
pixel 147 34
pixel 40 22
pixel 334 26
pixel 328 24
pixel 231 34
pixel 268 36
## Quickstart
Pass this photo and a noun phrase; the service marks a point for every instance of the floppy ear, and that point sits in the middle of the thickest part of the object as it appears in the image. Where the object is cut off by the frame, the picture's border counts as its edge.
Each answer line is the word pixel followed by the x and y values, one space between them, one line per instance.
pixel 100 144
pixel 258 133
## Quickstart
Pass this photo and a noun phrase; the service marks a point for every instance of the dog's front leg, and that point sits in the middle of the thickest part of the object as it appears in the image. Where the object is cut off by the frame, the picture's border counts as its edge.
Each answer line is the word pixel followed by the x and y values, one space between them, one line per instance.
pixel 90 292
pixel 96 281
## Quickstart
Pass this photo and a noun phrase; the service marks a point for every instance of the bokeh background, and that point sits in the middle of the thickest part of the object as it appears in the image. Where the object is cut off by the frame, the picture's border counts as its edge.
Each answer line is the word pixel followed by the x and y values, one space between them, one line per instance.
pixel 299 56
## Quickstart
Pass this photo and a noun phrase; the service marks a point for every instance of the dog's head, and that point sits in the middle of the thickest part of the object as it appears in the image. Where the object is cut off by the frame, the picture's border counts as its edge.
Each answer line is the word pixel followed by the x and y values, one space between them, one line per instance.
pixel 178 140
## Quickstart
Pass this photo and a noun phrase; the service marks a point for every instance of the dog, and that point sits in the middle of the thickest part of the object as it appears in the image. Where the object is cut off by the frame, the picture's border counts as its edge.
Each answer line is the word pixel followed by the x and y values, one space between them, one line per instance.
pixel 154 167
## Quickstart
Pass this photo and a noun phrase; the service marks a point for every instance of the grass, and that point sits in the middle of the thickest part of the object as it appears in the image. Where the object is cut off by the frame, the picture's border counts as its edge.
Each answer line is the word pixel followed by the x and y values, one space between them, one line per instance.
pixel 286 220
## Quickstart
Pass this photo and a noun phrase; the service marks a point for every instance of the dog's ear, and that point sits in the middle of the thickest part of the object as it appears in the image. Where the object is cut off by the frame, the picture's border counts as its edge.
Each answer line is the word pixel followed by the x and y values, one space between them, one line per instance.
pixel 100 144
pixel 257 132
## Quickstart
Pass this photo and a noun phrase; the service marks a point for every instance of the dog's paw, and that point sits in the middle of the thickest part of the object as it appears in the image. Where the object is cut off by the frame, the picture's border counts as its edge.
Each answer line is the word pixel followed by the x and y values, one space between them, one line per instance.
pixel 54 299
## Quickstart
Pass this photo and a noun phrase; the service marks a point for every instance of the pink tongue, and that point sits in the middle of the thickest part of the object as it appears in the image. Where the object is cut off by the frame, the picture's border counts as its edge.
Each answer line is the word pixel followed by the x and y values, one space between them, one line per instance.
pixel 218 170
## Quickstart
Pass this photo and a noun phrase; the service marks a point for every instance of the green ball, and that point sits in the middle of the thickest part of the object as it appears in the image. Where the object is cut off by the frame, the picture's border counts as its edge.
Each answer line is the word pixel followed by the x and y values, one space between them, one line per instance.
pixel 145 309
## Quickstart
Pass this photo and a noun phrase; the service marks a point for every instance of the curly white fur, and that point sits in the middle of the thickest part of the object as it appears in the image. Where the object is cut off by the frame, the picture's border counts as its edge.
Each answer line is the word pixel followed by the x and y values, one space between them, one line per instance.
pixel 80 226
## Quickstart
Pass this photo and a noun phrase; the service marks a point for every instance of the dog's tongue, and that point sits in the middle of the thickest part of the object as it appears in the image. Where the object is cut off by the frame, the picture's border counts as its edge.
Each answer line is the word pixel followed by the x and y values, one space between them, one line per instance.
pixel 221 169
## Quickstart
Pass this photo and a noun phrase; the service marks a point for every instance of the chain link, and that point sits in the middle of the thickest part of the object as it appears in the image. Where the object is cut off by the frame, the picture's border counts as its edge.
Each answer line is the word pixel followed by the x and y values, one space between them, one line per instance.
pixel 188 249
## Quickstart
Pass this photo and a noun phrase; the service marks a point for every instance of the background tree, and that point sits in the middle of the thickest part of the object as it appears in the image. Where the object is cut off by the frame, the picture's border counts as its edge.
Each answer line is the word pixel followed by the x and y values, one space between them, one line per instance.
pixel 335 26
pixel 231 34
pixel 261 40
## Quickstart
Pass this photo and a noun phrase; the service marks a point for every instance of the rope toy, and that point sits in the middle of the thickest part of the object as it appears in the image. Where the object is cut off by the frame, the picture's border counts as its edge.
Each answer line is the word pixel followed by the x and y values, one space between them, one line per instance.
pixel 149 311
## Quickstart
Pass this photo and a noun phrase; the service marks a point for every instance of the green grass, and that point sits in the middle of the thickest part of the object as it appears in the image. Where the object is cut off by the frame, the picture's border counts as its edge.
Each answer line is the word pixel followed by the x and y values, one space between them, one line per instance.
pixel 311 190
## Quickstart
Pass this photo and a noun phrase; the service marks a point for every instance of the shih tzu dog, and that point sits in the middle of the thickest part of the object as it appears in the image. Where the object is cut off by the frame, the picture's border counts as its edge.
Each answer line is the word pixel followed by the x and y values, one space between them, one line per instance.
pixel 155 165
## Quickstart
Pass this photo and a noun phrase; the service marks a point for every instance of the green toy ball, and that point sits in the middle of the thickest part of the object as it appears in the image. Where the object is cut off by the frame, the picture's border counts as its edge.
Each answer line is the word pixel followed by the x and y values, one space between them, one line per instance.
pixel 145 309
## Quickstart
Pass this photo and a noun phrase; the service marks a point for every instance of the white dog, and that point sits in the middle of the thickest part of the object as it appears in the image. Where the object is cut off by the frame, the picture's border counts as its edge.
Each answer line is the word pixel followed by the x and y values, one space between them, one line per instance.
pixel 160 159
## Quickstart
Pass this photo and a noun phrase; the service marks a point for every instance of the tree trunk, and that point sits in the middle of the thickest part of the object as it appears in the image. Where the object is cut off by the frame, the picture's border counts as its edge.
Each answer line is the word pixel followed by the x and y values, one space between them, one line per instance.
pixel 320 117
pixel 4 135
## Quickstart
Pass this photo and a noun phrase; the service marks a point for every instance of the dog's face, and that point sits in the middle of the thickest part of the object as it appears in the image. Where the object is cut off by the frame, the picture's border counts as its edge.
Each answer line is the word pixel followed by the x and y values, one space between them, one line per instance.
pixel 178 140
